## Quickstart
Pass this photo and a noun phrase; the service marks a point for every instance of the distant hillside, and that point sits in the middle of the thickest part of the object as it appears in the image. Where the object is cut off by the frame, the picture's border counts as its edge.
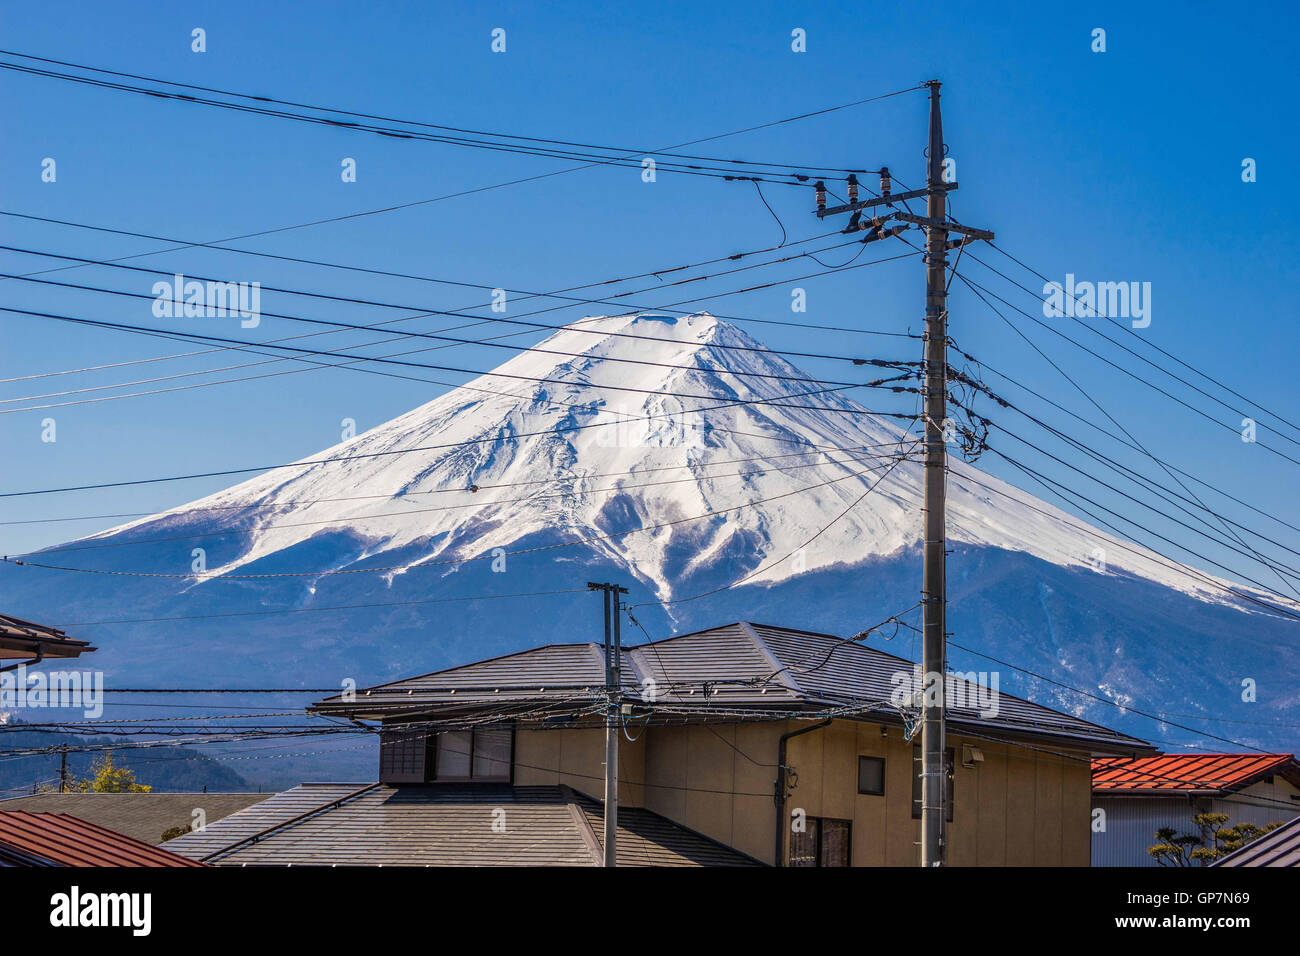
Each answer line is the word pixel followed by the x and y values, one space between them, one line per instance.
pixel 165 769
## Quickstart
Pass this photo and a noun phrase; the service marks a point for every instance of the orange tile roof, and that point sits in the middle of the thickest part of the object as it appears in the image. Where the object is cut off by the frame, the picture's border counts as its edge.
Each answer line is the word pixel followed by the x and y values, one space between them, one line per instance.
pixel 59 839
pixel 1188 772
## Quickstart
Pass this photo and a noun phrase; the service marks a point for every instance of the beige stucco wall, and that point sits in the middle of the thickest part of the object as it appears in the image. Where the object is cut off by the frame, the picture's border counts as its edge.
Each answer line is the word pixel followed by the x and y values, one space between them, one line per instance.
pixel 717 780
pixel 1016 808
pixel 576 758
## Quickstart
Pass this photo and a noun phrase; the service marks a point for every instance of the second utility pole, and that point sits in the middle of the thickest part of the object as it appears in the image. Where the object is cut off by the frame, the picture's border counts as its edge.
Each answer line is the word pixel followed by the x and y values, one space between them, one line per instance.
pixel 935 800
pixel 613 706
pixel 933 590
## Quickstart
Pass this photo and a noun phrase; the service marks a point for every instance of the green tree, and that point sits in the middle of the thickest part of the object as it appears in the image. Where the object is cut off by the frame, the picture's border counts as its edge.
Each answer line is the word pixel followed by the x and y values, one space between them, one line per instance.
pixel 1212 841
pixel 171 833
pixel 105 777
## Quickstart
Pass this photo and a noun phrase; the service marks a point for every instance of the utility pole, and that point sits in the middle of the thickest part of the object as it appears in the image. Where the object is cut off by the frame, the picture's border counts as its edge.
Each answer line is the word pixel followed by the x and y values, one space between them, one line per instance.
pixel 934 640
pixel 934 780
pixel 613 706
pixel 63 769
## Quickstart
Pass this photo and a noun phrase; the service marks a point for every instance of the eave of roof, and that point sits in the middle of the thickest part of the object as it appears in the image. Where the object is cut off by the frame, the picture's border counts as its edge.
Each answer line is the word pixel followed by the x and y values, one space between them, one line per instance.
pixel 25 639
pixel 734 667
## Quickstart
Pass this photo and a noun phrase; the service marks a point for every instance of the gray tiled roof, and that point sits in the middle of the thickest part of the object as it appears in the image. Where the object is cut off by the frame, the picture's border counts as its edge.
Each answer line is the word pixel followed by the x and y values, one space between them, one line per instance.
pixel 143 816
pixel 274 810
pixel 420 825
pixel 1281 847
pixel 734 666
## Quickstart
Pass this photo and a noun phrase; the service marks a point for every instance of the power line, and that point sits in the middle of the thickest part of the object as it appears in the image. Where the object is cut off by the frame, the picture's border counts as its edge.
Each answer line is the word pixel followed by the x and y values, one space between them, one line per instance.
pixel 558 294
pixel 824 528
pixel 295 502
pixel 1117 438
pixel 538 177
pixel 380 454
pixel 241 343
pixel 544 141
pixel 1043 479
pixel 455 561
pixel 122 327
pixel 1146 553
pixel 541 326
pixel 310 462
pixel 595 158
pixel 350 364
pixel 313 610
pixel 1143 481
pixel 1162 718
pixel 1114 421
pixel 976 286
pixel 1130 331
pixel 475 504
pixel 350 326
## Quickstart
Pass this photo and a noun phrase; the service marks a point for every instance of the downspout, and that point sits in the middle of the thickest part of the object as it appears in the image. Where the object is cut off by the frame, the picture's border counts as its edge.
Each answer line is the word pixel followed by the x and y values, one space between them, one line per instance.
pixel 39 658
pixel 780 786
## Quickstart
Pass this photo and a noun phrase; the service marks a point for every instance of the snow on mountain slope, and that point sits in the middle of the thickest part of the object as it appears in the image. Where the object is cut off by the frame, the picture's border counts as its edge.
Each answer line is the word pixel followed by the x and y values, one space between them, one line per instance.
pixel 578 483
pixel 606 442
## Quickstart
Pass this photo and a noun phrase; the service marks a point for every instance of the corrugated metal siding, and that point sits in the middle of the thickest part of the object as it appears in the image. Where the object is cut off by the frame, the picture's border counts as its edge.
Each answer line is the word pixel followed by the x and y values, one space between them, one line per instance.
pixel 1254 805
pixel 1131 827
pixel 1131 822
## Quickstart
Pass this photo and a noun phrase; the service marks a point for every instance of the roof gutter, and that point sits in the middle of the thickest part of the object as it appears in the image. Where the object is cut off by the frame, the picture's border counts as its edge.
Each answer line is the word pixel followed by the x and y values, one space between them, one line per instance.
pixel 780 793
pixel 39 658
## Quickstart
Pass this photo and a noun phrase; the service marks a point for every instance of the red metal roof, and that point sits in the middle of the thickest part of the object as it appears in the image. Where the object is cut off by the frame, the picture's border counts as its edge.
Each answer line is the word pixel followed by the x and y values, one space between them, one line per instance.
pixel 59 839
pixel 1188 772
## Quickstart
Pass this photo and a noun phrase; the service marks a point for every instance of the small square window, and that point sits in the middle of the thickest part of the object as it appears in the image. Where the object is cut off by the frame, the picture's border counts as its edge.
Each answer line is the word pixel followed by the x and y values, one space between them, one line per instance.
pixel 871 775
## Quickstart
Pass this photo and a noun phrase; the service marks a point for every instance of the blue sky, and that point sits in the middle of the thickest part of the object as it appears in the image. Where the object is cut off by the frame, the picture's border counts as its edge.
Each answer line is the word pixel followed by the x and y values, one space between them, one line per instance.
pixel 1123 165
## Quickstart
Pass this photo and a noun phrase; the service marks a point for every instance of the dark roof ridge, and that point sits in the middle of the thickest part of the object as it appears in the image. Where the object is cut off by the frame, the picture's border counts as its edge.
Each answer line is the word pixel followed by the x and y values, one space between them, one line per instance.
pixel 781 672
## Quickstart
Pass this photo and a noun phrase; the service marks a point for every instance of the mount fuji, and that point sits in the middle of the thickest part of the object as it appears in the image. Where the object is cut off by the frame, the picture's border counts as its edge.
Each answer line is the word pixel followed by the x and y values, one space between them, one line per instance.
pixel 587 457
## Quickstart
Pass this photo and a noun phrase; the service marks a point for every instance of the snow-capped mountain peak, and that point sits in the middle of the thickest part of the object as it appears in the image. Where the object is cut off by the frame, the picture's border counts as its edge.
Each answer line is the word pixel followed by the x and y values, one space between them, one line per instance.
pixel 667 444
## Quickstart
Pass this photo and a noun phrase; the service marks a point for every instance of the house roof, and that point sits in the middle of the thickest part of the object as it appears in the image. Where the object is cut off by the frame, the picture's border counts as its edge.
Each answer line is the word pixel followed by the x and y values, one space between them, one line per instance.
pixel 1280 847
pixel 23 639
pixel 141 816
pixel 60 839
pixel 1196 773
pixel 417 825
pixel 741 665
